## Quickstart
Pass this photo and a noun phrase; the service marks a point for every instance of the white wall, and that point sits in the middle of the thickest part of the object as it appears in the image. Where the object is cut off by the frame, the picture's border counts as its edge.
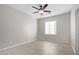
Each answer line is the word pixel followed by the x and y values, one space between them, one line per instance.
pixel 15 27
pixel 75 29
pixel 63 29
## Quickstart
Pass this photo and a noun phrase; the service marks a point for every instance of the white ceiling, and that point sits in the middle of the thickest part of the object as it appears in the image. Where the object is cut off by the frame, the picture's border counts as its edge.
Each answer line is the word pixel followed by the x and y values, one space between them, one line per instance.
pixel 55 8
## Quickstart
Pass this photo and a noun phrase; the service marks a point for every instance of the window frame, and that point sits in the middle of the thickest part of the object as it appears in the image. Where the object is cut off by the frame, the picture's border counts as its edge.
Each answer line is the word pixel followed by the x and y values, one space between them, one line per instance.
pixel 54 32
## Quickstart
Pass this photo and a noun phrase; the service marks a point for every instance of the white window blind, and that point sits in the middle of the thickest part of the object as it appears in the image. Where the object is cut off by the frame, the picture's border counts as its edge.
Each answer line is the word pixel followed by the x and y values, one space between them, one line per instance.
pixel 50 27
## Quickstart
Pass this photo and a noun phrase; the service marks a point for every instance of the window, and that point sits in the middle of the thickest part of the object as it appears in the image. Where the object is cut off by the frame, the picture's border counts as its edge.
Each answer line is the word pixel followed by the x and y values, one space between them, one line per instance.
pixel 50 27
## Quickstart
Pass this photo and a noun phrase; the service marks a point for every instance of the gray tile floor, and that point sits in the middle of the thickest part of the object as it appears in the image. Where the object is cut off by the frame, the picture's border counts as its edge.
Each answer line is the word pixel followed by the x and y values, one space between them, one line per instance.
pixel 39 48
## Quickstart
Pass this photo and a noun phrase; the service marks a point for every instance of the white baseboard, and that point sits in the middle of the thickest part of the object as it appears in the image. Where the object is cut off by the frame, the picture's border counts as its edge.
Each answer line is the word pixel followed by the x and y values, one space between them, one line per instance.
pixel 17 45
pixel 73 50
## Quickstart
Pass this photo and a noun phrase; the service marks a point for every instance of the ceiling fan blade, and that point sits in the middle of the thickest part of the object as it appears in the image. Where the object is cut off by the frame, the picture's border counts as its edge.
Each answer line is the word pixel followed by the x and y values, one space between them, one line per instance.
pixel 36 12
pixel 41 14
pixel 47 11
pixel 45 6
pixel 35 8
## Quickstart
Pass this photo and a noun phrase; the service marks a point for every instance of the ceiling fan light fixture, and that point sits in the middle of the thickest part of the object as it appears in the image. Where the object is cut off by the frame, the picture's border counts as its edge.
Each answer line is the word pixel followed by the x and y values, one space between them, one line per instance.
pixel 41 11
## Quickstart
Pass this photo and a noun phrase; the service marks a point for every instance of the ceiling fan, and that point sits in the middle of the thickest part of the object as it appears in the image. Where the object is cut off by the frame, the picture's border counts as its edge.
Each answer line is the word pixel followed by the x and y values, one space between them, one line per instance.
pixel 41 9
